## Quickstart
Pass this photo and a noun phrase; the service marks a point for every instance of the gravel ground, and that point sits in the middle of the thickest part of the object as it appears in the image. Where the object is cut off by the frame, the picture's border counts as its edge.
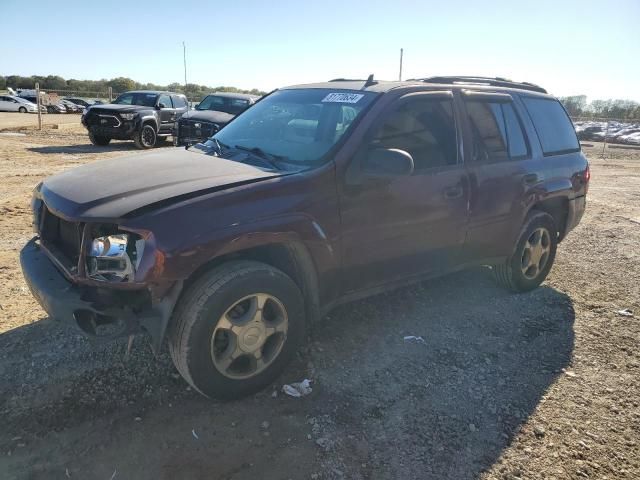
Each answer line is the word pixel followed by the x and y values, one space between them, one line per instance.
pixel 540 385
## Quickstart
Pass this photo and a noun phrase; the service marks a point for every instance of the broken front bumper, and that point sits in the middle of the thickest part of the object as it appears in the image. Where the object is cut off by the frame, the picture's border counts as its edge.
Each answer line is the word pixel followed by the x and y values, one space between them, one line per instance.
pixel 100 314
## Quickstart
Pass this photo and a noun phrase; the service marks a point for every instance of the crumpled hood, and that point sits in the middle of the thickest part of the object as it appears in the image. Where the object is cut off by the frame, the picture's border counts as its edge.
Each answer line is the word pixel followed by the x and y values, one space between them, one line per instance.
pixel 221 118
pixel 109 189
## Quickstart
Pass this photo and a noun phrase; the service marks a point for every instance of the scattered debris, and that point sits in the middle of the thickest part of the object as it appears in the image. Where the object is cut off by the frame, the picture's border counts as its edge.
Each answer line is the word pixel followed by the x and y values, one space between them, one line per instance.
pixel 66 472
pixel 138 419
pixel 195 435
pixel 414 339
pixel 472 427
pixel 264 425
pixel 569 373
pixel 297 390
pixel 539 431
pixel 625 312
pixel 274 394
pixel 115 472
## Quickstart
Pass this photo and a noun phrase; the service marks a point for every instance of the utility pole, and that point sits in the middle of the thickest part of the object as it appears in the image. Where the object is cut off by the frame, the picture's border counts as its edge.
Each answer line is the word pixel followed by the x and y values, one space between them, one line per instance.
pixel 184 56
pixel 38 103
pixel 400 75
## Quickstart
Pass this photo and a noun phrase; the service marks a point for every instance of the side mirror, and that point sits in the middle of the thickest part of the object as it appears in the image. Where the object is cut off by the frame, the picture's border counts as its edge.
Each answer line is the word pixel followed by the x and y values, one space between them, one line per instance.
pixel 388 162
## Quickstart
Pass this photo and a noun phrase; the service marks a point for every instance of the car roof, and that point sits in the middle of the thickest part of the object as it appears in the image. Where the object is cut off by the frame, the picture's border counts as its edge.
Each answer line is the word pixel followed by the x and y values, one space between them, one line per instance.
pixel 155 92
pixel 382 86
pixel 245 96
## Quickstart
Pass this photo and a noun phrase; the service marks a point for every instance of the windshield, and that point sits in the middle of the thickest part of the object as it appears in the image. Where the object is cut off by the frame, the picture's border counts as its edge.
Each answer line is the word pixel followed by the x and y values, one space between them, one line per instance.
pixel 136 98
pixel 298 125
pixel 233 106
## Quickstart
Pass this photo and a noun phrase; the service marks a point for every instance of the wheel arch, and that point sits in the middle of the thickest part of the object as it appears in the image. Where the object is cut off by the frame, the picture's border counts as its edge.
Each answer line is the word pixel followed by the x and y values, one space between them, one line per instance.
pixel 291 257
pixel 558 208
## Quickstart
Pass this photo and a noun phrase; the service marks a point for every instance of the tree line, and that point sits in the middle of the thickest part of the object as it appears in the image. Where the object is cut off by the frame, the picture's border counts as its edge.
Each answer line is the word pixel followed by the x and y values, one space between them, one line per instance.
pixel 577 106
pixel 93 88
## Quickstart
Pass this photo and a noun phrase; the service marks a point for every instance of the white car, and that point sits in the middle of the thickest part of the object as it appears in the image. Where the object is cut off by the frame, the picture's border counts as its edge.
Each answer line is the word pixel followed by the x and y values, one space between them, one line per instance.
pixel 633 139
pixel 9 103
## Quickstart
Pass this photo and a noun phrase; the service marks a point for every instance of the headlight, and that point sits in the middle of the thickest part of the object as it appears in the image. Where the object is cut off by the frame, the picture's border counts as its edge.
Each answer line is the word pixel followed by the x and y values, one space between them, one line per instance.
pixel 115 258
pixel 127 116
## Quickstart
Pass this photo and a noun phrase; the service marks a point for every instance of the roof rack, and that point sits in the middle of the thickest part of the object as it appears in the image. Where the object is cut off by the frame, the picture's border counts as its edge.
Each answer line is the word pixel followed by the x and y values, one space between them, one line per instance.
pixel 494 82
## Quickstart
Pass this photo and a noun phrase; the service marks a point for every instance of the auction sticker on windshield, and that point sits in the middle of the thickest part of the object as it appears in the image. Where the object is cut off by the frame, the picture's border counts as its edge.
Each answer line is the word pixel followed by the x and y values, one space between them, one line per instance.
pixel 343 97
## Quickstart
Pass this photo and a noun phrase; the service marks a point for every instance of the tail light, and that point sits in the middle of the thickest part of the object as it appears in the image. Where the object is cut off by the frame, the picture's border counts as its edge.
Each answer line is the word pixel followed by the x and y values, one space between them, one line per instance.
pixel 587 177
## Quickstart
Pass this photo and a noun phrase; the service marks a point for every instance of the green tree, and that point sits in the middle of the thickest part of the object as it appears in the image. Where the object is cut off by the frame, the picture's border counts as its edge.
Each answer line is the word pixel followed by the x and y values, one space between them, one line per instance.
pixel 122 84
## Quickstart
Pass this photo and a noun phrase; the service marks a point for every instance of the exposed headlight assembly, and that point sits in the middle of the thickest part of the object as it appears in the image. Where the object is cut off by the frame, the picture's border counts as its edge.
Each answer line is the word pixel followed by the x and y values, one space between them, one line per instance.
pixel 115 258
pixel 128 116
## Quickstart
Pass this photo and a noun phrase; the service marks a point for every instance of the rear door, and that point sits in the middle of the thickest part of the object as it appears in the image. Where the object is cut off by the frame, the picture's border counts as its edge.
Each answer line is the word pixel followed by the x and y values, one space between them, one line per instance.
pixel 407 225
pixel 500 172
pixel 167 114
pixel 180 105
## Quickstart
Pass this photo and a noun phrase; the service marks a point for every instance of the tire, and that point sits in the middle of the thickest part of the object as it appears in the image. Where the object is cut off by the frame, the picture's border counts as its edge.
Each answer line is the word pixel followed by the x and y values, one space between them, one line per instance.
pixel 520 272
pixel 98 140
pixel 201 344
pixel 22 110
pixel 146 137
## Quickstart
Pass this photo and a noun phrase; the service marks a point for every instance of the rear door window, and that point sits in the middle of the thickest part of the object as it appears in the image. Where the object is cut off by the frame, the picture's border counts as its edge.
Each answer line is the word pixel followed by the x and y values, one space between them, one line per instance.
pixel 178 101
pixel 552 124
pixel 497 132
pixel 488 131
pixel 518 147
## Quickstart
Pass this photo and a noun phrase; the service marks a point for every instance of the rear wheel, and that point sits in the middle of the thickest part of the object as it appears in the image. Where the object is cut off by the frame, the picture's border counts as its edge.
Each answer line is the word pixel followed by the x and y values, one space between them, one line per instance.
pixel 22 110
pixel 236 329
pixel 99 140
pixel 533 257
pixel 145 137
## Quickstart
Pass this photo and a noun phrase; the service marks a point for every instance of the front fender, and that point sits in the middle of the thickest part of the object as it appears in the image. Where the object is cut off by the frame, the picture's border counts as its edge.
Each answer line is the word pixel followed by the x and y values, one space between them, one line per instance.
pixel 297 229
pixel 147 118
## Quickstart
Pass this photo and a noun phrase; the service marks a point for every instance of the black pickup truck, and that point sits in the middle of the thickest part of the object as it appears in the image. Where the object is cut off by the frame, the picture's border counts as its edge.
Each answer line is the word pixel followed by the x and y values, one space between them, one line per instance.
pixel 142 116
pixel 210 115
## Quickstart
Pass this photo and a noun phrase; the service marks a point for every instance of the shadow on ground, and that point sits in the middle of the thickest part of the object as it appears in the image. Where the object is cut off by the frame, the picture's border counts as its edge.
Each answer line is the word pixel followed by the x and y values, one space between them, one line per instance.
pixel 123 146
pixel 382 407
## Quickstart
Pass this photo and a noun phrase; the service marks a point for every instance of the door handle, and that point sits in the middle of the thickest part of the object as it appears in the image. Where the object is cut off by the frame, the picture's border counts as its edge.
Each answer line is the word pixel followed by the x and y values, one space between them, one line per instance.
pixel 451 193
pixel 530 179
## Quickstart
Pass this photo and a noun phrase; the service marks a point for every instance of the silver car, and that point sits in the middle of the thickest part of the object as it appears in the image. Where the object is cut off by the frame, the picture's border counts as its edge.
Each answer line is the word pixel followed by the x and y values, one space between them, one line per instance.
pixel 9 103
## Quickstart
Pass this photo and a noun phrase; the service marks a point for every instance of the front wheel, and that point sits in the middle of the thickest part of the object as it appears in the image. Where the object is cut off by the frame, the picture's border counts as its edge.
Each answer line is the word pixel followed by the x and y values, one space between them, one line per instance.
pixel 22 110
pixel 145 137
pixel 533 257
pixel 235 329
pixel 98 140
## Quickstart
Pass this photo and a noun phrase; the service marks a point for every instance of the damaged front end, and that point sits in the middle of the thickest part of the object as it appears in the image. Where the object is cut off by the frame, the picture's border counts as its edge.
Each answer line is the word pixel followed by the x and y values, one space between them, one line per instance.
pixel 97 277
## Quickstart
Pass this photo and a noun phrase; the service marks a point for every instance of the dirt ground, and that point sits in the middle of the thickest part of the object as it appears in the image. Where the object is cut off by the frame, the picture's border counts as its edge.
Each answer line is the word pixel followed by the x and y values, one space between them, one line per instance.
pixel 22 120
pixel 540 385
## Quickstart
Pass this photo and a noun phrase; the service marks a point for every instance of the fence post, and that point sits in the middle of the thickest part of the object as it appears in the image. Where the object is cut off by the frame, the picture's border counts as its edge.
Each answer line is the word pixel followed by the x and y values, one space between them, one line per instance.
pixel 604 145
pixel 38 103
pixel 110 94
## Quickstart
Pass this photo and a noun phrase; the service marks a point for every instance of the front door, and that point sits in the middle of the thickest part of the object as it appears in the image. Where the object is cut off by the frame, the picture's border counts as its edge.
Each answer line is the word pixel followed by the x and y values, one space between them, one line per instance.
pixel 414 224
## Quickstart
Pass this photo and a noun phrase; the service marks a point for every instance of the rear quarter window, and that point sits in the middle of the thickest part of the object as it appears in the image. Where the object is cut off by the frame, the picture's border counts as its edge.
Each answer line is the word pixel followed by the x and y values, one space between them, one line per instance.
pixel 552 125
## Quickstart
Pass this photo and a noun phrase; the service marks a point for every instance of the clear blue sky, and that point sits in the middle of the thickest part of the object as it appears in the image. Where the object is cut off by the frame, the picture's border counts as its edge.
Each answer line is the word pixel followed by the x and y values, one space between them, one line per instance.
pixel 568 46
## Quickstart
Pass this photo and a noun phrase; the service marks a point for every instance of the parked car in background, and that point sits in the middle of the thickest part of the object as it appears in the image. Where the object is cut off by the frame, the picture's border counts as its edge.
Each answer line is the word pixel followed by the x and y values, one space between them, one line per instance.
pixel 317 195
pixel 81 102
pixel 71 107
pixel 142 116
pixel 48 107
pixel 210 115
pixel 11 103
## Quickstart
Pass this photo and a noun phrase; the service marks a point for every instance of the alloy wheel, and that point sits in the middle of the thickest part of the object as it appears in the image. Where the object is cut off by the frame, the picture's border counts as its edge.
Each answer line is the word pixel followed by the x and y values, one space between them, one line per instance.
pixel 535 254
pixel 249 336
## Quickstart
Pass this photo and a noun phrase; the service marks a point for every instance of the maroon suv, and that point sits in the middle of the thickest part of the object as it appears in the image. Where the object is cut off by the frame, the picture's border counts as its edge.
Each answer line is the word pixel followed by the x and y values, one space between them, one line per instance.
pixel 316 195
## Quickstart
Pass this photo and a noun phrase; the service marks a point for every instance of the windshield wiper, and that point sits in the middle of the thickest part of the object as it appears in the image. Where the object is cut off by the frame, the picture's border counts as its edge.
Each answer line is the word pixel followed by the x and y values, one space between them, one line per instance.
pixel 270 158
